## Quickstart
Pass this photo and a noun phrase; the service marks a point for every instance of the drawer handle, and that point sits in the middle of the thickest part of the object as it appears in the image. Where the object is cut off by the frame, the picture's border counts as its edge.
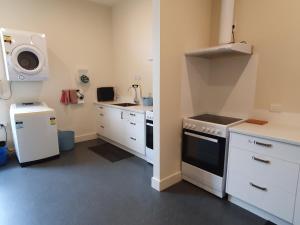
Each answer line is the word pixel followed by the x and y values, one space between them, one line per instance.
pixel 101 114
pixel 263 144
pixel 132 114
pixel 258 187
pixel 133 124
pixel 261 160
pixel 102 127
pixel 100 107
pixel 134 139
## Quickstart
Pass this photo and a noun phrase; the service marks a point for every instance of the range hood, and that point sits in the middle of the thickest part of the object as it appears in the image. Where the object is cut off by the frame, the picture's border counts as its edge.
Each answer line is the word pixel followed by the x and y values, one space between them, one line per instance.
pixel 222 50
pixel 226 46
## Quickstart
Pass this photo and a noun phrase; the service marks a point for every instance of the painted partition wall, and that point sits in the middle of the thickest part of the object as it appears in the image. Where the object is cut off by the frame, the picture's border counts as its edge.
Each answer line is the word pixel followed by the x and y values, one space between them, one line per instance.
pixel 184 25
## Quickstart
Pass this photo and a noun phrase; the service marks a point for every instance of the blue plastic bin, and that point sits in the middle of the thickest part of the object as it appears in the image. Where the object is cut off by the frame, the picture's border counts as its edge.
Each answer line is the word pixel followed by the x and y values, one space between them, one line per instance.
pixel 3 155
pixel 66 140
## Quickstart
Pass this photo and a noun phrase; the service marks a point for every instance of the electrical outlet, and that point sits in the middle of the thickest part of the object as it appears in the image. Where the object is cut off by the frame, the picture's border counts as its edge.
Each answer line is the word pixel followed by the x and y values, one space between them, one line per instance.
pixel 150 59
pixel 276 108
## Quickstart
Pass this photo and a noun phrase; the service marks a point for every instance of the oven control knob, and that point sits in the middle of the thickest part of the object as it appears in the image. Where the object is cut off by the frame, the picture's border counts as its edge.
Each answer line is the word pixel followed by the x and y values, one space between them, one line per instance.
pixel 209 130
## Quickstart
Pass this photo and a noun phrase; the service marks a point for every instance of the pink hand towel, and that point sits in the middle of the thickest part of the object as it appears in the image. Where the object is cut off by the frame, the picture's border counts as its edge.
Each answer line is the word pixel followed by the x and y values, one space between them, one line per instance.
pixel 73 96
pixel 64 99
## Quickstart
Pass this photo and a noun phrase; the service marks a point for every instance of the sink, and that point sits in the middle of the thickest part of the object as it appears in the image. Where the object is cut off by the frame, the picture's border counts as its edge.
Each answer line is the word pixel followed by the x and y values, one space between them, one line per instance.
pixel 126 104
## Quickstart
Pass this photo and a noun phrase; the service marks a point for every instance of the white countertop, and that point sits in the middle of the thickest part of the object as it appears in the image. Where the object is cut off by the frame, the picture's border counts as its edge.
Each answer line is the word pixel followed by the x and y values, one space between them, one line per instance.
pixel 277 132
pixel 138 108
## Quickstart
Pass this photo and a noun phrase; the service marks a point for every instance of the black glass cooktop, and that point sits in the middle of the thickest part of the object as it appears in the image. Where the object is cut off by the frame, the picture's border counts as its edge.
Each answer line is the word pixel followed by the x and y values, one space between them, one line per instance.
pixel 216 119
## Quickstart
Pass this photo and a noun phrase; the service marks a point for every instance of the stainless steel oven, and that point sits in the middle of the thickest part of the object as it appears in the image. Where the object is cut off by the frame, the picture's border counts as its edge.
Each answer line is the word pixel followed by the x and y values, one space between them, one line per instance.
pixel 204 151
pixel 149 137
pixel 149 134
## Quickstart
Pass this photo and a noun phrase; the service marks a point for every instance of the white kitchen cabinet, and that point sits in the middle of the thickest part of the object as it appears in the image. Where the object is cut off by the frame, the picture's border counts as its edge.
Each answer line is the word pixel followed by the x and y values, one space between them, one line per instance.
pixel 122 126
pixel 114 124
pixel 100 121
pixel 264 174
pixel 135 131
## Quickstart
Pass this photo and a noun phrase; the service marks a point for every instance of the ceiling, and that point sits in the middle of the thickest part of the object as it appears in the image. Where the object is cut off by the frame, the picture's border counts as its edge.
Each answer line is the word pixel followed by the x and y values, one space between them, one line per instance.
pixel 106 2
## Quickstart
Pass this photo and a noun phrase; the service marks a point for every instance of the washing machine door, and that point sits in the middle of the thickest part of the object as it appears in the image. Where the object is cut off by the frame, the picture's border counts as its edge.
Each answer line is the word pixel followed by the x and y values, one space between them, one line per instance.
pixel 27 59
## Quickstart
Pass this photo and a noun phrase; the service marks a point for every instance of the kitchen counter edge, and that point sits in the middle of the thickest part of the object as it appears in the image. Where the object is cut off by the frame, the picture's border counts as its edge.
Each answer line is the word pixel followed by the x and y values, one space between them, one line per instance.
pixel 271 131
pixel 138 108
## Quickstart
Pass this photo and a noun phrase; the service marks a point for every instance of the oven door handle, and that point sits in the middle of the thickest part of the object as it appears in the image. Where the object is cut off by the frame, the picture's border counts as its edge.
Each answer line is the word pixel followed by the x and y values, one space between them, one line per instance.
pixel 202 137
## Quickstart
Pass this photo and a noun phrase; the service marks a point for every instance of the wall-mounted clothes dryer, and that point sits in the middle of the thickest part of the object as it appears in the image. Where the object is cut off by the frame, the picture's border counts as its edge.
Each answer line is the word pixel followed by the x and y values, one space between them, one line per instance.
pixel 24 55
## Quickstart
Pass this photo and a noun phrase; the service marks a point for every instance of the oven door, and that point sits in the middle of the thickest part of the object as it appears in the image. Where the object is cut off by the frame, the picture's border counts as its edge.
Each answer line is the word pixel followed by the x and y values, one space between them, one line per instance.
pixel 204 151
pixel 149 134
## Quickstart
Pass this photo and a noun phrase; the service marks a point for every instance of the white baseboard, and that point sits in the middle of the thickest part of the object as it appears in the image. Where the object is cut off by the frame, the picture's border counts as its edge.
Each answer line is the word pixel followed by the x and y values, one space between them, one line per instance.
pixel 166 182
pixel 85 137
pixel 257 211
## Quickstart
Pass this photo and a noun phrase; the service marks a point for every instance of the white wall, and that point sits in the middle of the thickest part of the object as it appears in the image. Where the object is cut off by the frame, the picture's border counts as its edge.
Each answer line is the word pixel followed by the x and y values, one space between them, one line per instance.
pixel 224 86
pixel 184 25
pixel 132 45
pixel 271 26
pixel 79 35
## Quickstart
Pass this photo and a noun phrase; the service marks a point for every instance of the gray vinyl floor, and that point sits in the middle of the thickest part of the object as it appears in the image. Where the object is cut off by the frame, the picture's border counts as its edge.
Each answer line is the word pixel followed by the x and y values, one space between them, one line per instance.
pixel 82 188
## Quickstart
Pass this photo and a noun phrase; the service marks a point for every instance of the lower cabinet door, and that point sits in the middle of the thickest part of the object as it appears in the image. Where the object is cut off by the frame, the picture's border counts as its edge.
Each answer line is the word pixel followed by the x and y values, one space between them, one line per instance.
pixel 115 125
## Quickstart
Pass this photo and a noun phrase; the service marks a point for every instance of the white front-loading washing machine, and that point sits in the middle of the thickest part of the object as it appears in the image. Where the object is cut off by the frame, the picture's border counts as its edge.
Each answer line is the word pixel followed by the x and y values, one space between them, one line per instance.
pixel 34 132
pixel 24 55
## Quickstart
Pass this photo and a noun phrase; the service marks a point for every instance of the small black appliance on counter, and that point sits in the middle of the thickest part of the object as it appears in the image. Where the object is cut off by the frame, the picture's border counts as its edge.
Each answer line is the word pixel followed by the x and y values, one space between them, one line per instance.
pixel 105 94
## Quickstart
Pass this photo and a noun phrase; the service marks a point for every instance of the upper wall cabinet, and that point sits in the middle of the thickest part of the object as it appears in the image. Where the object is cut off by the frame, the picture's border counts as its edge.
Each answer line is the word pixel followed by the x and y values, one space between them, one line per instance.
pixel 222 50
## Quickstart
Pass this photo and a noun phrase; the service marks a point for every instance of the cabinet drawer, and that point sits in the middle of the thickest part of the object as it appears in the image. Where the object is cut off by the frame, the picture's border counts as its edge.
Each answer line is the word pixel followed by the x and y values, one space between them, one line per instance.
pixel 100 107
pixel 101 129
pixel 135 117
pixel 100 116
pixel 264 169
pixel 266 147
pixel 100 113
pixel 272 199
pixel 136 128
pixel 137 144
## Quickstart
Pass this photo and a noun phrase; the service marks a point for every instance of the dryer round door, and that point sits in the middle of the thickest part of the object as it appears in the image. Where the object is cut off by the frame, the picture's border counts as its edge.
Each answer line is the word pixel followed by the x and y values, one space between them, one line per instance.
pixel 27 59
